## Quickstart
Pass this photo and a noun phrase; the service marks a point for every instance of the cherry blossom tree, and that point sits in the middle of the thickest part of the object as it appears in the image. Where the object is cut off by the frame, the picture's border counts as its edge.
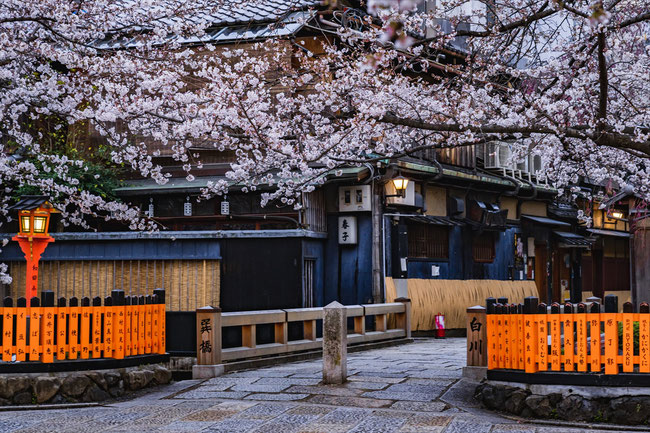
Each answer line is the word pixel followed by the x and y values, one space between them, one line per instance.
pixel 569 81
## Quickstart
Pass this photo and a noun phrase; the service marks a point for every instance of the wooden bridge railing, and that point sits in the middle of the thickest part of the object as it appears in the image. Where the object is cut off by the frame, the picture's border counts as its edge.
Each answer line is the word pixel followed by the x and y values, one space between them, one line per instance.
pixel 124 326
pixel 210 322
pixel 570 338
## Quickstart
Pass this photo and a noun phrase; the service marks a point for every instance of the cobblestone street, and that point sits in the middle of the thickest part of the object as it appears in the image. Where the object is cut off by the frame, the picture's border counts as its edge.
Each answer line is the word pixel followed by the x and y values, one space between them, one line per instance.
pixel 409 388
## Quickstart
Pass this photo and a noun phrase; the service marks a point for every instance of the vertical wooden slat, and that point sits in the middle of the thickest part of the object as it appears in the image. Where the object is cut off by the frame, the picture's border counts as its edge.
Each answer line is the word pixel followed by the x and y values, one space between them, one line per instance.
pixel 581 340
pixel 542 341
pixel 21 330
pixel 507 340
pixel 85 328
pixel 118 323
pixel 611 342
pixel 73 326
pixel 514 338
pixel 500 342
pixel 7 330
pixel 34 332
pixel 493 346
pixel 644 338
pixel 556 342
pixel 142 317
pixel 61 330
pixel 155 327
pixel 128 317
pixel 569 346
pixel 521 334
pixel 97 327
pixel 204 298
pixel 134 325
pixel 162 345
pixel 148 324
pixel 595 340
pixel 628 342
pixel 47 333
pixel 108 327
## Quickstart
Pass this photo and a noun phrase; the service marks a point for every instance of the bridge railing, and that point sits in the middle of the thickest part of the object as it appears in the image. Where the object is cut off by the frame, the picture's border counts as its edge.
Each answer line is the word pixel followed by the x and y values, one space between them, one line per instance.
pixel 211 321
pixel 42 332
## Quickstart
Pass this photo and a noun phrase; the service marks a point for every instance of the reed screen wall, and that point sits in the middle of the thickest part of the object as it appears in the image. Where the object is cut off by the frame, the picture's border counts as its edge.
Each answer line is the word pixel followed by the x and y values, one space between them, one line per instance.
pixel 189 284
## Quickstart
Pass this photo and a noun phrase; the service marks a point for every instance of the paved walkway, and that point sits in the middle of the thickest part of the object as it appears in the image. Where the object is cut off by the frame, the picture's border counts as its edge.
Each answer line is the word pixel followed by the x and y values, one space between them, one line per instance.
pixel 410 388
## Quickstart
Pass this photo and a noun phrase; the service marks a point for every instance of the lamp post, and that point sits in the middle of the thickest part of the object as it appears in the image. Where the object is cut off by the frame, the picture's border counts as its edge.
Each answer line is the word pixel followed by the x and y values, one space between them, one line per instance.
pixel 33 220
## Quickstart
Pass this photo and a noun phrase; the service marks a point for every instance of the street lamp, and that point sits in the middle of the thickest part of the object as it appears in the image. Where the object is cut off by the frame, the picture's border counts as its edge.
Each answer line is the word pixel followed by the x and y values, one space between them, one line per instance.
pixel 399 183
pixel 34 218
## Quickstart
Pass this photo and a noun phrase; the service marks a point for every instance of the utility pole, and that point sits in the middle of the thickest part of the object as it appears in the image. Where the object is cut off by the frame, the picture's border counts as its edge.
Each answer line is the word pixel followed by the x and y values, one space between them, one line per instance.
pixel 377 244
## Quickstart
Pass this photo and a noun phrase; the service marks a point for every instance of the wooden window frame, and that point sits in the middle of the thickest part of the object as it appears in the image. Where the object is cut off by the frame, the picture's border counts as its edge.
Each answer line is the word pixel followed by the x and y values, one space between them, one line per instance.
pixel 425 249
pixel 482 257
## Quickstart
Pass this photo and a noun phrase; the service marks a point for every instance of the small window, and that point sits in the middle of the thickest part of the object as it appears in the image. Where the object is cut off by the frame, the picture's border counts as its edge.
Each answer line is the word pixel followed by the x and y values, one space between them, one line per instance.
pixel 428 241
pixel 308 283
pixel 483 248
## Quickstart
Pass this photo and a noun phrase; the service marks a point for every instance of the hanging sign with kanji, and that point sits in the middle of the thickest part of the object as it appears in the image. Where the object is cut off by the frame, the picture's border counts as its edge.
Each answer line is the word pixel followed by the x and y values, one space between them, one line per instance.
pixel 347 230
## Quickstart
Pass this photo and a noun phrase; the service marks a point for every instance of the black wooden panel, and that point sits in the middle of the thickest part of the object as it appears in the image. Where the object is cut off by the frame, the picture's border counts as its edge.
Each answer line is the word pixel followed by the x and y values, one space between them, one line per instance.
pixel 261 274
pixel 181 333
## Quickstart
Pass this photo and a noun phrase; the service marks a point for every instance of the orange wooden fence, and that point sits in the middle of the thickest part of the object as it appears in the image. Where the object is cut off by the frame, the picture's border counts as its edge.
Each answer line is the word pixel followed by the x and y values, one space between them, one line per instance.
pixel 573 340
pixel 123 326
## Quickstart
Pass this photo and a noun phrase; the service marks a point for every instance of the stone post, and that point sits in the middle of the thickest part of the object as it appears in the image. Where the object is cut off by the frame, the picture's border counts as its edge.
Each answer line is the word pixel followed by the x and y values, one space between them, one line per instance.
pixel 476 368
pixel 208 343
pixel 335 344
pixel 476 337
pixel 404 322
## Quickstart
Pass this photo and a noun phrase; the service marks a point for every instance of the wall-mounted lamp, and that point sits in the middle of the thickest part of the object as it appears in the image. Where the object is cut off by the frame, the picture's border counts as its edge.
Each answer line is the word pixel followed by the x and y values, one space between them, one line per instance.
pixel 617 214
pixel 399 183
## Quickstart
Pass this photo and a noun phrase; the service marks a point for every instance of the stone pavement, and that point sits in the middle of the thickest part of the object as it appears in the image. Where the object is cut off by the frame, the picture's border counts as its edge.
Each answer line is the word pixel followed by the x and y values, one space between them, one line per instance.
pixel 409 388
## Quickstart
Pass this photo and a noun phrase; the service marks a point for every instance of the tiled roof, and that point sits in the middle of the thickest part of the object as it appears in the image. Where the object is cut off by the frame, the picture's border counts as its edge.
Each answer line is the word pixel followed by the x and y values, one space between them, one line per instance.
pixel 256 11
pixel 29 202
pixel 237 20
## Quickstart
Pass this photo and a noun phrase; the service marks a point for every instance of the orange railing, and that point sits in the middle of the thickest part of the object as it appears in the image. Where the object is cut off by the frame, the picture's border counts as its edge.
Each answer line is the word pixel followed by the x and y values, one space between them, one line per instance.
pixel 535 338
pixel 124 326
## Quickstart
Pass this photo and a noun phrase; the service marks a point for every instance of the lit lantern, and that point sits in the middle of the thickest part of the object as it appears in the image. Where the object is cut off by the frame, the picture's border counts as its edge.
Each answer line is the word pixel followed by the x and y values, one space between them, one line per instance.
pixel 399 183
pixel 34 218
pixel 617 214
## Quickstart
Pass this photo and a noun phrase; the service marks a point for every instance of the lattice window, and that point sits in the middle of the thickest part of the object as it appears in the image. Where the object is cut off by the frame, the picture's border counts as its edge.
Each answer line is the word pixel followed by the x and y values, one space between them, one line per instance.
pixel 483 248
pixel 428 241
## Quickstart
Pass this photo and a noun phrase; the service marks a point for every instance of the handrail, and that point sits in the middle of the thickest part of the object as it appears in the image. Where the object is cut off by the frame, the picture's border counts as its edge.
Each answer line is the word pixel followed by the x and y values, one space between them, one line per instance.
pixel 210 322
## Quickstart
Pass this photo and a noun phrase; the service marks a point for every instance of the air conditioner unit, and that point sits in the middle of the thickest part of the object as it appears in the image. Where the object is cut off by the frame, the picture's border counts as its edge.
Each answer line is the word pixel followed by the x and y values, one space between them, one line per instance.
pixel 497 155
pixel 355 198
pixel 407 200
pixel 536 165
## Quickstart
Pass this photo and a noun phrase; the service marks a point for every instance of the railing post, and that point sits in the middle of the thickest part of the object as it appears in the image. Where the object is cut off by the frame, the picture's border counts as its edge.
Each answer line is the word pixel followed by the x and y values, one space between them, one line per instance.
pixel 335 344
pixel 404 319
pixel 162 320
pixel 476 337
pixel 282 331
pixel 208 343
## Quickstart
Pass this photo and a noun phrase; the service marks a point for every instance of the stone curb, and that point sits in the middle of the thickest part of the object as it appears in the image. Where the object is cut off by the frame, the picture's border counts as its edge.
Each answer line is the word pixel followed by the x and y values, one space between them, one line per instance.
pixel 49 406
pixel 567 424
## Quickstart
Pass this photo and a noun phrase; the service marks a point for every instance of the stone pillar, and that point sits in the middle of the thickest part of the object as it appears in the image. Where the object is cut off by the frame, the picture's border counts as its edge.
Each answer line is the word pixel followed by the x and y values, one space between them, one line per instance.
pixel 335 344
pixel 476 337
pixel 208 343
